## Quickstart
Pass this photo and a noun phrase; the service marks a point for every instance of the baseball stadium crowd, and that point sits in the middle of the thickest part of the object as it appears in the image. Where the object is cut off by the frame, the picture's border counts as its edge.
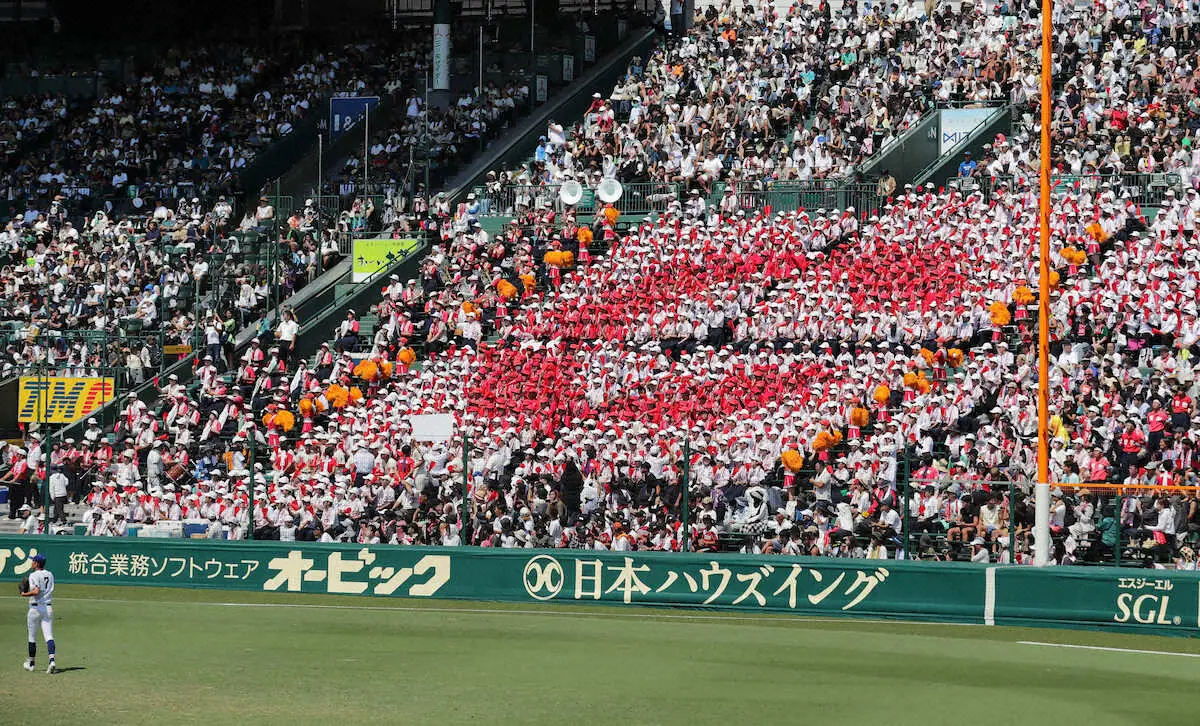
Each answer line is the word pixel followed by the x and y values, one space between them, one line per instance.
pixel 846 383
pixel 445 140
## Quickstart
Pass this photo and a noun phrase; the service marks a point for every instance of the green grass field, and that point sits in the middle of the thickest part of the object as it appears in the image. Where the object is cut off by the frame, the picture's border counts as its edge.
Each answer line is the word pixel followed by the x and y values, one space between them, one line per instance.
pixel 155 656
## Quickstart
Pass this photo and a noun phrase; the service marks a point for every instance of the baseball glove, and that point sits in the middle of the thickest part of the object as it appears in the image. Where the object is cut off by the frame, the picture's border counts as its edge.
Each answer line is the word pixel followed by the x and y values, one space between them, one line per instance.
pixel 24 585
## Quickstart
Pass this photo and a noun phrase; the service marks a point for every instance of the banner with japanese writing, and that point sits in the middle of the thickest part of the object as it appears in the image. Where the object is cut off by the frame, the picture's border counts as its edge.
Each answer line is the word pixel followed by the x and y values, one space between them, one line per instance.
pixel 1146 601
pixel 860 587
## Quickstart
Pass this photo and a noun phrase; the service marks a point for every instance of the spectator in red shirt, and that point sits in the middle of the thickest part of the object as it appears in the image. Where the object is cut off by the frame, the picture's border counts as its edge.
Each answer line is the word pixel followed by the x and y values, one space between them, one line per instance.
pixel 1156 419
pixel 1131 444
pixel 1182 406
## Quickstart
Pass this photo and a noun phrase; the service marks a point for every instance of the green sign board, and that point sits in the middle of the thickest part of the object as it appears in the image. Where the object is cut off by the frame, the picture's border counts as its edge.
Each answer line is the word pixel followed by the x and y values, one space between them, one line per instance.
pixel 373 255
pixel 1160 601
pixel 1139 600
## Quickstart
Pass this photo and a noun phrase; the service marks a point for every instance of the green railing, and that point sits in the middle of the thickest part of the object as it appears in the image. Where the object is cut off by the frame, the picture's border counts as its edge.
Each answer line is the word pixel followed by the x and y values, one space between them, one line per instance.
pixel 812 195
pixel 1145 189
pixel 636 198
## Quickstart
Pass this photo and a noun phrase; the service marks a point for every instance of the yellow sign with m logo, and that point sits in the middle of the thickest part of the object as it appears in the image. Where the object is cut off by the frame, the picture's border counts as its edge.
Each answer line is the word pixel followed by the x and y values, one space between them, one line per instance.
pixel 57 399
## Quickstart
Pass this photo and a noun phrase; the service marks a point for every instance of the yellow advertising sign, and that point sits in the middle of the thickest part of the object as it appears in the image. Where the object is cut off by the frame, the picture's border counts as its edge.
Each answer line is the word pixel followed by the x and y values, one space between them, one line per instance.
pixel 373 255
pixel 57 399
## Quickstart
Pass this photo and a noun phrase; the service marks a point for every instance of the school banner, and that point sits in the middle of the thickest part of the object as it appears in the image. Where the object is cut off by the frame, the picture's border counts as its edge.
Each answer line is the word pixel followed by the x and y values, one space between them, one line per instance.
pixel 1148 601
pixel 60 400
pixel 373 255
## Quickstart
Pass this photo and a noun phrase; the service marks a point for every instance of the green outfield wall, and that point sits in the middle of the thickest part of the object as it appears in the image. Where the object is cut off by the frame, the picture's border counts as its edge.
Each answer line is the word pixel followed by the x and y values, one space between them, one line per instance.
pixel 1149 601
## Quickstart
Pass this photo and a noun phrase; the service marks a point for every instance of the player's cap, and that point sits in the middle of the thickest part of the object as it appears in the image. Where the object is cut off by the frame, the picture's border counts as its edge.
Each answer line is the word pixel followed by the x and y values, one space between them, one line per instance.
pixel 39 558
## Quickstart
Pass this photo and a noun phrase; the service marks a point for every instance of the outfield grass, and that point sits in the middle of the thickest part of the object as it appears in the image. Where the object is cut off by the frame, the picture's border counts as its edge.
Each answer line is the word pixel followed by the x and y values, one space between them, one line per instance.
pixel 155 656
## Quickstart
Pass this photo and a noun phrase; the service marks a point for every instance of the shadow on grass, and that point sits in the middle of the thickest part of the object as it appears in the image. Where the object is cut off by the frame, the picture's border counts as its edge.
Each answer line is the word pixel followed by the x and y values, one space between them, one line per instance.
pixel 68 669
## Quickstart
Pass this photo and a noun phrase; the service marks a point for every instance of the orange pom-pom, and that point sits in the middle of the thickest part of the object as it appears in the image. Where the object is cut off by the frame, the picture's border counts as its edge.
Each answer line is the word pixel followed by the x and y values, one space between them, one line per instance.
pixel 927 354
pixel 529 281
pixel 559 258
pixel 337 396
pixel 367 370
pixel 1023 295
pixel 999 313
pixel 285 420
pixel 355 394
pixel 910 379
pixel 860 417
pixel 883 394
pixel 1055 278
pixel 792 460
pixel 406 356
pixel 924 386
pixel 386 368
pixel 955 357
pixel 506 289
pixel 1076 256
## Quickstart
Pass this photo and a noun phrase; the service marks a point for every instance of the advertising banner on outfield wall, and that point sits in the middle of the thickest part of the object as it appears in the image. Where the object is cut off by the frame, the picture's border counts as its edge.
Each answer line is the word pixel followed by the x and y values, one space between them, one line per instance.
pixel 1146 601
pixel 1161 601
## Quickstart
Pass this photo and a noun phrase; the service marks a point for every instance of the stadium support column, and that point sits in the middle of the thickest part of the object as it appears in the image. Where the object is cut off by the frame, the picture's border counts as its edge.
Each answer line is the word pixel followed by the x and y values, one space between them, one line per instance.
pixel 442 15
pixel 684 543
pixel 1041 520
pixel 466 461
pixel 45 461
pixel 532 58
pixel 250 468
pixel 904 511
pixel 689 14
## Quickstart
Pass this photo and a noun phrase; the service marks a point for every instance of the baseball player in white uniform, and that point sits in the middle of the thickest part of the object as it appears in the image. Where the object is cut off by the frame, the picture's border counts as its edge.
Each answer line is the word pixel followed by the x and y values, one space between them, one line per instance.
pixel 40 592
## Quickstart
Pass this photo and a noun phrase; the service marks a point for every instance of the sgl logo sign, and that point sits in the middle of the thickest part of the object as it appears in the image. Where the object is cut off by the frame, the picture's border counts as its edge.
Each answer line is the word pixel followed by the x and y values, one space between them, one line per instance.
pixel 1146 609
pixel 1146 601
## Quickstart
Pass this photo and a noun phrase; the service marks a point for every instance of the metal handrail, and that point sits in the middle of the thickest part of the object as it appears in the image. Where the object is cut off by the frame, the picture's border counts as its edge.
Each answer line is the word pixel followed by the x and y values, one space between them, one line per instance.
pixel 338 300
pixel 636 198
pixel 1148 189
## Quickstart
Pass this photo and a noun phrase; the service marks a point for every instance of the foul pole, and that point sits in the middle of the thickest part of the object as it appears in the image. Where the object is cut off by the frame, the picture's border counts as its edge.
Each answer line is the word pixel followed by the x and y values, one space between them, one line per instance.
pixel 1041 522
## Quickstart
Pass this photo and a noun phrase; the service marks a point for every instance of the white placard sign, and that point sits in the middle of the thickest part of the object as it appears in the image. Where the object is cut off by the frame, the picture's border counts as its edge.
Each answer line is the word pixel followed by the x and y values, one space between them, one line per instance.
pixel 432 427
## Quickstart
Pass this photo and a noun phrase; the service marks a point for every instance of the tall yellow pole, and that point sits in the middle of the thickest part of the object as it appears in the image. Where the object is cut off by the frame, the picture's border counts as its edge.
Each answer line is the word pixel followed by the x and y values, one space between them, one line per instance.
pixel 1041 526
